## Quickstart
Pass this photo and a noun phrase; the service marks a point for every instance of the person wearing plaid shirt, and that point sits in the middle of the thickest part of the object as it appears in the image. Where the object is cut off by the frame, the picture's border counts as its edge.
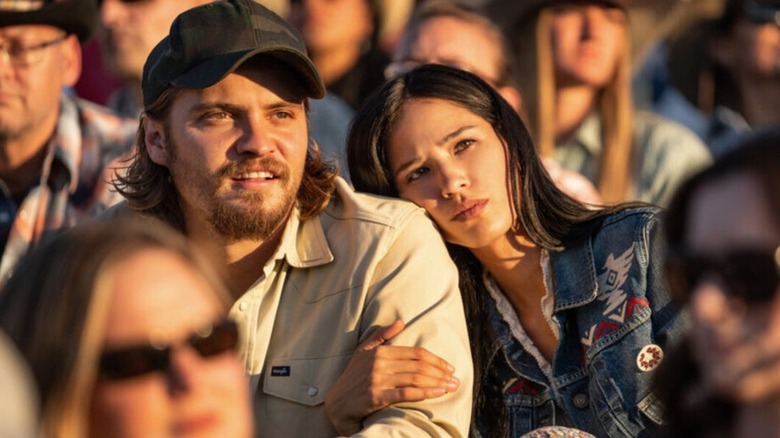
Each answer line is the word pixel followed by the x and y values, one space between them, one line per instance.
pixel 55 150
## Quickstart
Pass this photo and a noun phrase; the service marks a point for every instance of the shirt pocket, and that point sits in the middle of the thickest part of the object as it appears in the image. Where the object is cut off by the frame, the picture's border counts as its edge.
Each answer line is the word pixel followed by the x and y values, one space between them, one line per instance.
pixel 301 381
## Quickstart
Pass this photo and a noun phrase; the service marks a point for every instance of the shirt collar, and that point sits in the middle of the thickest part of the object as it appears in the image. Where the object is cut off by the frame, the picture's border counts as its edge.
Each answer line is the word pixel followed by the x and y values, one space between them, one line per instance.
pixel 588 135
pixel 304 243
pixel 65 143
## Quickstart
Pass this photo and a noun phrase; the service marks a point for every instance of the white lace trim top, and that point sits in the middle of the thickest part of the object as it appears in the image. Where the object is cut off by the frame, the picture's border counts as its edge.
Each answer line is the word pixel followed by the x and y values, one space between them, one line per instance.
pixel 507 312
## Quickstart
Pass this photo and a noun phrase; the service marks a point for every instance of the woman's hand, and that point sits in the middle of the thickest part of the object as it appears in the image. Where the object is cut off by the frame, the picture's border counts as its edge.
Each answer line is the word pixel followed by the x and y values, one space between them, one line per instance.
pixel 379 375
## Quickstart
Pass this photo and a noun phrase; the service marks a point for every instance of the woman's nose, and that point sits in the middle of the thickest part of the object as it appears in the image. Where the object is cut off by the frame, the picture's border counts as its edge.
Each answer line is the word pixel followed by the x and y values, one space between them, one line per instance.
pixel 453 181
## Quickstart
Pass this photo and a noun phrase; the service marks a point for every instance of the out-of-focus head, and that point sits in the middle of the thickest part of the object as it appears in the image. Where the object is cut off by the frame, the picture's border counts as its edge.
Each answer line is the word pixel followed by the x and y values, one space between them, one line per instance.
pixel 333 25
pixel 77 17
pixel 747 40
pixel 723 232
pixel 131 28
pixel 123 324
pixel 40 55
pixel 444 32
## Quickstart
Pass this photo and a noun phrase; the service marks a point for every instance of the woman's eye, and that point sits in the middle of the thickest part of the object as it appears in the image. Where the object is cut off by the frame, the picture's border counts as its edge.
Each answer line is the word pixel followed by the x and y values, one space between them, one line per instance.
pixel 416 174
pixel 464 144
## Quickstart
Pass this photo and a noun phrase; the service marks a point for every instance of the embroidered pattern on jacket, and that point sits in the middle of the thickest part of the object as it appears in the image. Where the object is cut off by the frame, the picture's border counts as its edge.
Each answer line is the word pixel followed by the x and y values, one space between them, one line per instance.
pixel 617 305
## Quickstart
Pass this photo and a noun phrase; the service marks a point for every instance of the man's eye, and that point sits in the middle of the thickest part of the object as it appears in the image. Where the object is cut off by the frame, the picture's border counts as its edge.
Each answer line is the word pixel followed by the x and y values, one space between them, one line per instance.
pixel 218 115
pixel 284 115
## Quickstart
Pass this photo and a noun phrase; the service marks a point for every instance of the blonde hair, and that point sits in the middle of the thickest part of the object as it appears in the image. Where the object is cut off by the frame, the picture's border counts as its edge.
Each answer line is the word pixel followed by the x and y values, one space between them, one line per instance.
pixel 55 308
pixel 536 80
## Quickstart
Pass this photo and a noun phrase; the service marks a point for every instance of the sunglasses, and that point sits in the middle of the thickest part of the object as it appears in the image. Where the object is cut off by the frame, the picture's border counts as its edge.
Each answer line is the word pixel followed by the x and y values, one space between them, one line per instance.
pixel 750 274
pixel 125 363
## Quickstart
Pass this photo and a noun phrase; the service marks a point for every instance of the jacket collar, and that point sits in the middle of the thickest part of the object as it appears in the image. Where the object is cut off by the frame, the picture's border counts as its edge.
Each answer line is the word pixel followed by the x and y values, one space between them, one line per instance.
pixel 576 267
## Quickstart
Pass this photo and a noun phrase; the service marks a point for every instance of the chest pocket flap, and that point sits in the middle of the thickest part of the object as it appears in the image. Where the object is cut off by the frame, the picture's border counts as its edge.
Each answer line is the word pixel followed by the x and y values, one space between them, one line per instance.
pixel 303 381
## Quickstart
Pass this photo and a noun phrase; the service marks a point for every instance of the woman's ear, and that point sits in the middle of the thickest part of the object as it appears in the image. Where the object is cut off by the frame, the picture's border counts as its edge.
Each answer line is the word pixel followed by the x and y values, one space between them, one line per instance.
pixel 154 138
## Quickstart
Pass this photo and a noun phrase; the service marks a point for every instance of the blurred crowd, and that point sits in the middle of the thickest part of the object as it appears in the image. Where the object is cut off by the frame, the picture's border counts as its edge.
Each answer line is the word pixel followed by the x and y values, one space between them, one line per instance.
pixel 626 285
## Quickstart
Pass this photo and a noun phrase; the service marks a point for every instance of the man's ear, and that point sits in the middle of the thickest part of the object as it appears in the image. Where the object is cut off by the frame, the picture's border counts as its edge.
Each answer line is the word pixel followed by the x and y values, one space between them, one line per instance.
pixel 154 137
pixel 71 61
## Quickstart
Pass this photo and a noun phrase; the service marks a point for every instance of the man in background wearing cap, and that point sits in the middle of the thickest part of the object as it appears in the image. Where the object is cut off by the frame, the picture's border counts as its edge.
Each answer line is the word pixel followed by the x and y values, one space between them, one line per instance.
pixel 224 154
pixel 54 149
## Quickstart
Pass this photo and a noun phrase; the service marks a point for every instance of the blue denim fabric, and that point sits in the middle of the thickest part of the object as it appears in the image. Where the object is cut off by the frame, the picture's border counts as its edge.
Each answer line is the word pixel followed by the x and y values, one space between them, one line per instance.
pixel 610 302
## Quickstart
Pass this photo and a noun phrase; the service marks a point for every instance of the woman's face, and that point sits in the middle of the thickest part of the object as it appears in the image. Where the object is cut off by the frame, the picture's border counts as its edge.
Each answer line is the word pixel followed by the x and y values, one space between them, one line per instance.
pixel 587 40
pixel 733 337
pixel 450 161
pixel 157 297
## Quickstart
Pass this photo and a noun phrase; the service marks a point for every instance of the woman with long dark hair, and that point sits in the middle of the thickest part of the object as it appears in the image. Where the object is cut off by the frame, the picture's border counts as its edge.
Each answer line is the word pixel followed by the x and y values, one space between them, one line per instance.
pixel 566 305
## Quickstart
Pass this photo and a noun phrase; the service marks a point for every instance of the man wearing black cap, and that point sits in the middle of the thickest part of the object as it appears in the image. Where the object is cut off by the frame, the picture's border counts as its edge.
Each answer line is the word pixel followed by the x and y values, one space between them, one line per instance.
pixel 53 148
pixel 224 155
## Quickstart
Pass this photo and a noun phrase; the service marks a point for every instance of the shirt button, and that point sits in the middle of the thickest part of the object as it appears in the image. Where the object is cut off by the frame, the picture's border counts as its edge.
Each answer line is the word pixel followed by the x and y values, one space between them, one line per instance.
pixel 242 306
pixel 313 391
pixel 581 401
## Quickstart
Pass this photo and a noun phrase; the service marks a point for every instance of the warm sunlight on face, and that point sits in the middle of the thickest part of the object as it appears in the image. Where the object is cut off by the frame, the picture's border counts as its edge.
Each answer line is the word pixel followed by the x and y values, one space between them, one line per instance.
pixel 587 43
pixel 452 163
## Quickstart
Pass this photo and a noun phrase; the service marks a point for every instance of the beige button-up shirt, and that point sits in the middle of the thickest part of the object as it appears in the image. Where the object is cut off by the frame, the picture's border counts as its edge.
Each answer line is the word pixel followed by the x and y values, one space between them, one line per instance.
pixel 362 263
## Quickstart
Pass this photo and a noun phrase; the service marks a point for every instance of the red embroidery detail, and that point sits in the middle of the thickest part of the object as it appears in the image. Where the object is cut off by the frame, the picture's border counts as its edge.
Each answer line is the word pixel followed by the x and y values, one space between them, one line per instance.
pixel 523 386
pixel 633 302
pixel 604 328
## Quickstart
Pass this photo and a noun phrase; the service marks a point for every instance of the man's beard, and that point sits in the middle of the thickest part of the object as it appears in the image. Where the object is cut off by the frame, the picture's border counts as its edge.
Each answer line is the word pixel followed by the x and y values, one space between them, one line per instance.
pixel 247 219
pixel 242 216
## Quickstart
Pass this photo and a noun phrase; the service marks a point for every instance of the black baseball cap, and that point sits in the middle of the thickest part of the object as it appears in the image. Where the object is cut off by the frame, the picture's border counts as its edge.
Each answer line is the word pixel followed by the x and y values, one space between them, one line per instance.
pixel 208 42
pixel 78 17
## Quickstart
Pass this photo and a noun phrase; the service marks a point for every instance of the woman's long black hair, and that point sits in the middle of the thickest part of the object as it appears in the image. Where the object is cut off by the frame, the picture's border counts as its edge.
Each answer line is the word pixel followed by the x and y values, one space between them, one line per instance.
pixel 550 218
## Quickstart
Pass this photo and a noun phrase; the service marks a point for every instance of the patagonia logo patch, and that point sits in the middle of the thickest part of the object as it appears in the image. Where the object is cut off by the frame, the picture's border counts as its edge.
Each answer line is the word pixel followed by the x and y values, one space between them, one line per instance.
pixel 283 371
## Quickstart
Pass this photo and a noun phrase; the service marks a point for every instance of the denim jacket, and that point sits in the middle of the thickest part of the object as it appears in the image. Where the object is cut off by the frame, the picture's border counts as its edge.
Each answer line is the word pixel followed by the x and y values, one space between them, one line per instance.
pixel 610 302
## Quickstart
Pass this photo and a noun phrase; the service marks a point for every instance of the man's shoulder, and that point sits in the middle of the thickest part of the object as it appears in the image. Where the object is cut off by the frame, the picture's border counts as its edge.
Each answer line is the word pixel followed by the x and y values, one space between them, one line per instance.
pixel 382 211
pixel 102 125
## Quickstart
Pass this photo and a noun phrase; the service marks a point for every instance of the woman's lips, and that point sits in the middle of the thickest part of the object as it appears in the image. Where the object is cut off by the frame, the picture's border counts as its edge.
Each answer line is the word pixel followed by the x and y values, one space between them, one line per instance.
pixel 469 210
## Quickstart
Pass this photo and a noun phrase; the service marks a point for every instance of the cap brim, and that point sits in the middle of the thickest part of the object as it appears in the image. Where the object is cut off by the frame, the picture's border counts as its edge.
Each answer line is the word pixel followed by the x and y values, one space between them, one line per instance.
pixel 216 68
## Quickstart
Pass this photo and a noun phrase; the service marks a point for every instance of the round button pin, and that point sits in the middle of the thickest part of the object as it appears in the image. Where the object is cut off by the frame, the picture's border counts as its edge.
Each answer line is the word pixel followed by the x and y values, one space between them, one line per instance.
pixel 581 401
pixel 649 357
pixel 313 391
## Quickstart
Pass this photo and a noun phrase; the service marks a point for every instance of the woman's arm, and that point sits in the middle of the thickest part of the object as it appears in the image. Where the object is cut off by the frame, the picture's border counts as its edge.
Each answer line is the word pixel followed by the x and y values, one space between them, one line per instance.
pixel 379 375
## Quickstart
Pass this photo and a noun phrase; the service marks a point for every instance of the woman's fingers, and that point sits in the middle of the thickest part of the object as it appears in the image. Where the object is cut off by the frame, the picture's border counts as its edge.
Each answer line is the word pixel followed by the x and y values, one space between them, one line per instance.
pixel 382 335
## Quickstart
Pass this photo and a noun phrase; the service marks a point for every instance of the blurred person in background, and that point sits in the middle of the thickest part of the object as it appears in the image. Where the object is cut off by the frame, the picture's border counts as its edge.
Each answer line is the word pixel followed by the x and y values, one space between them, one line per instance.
pixel 574 74
pixel 727 63
pixel 19 404
pixel 341 39
pixel 54 149
pixel 128 33
pixel 445 32
pixel 123 323
pixel 723 264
